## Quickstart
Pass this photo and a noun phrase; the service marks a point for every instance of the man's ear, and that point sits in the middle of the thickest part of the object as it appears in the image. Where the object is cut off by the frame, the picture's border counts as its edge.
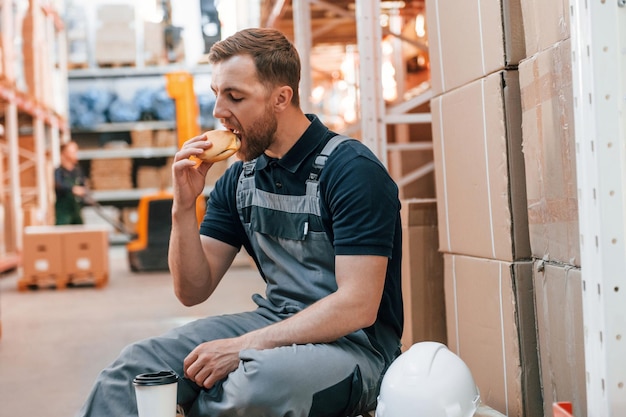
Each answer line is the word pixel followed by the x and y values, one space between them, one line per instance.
pixel 282 97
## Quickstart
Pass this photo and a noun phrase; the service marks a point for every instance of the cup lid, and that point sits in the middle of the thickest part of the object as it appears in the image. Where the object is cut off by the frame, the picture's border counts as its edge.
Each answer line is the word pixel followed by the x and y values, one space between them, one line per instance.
pixel 156 378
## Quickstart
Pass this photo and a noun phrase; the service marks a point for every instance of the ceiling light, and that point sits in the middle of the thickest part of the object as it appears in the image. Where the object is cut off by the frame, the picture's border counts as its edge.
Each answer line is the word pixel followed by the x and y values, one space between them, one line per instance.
pixel 392 5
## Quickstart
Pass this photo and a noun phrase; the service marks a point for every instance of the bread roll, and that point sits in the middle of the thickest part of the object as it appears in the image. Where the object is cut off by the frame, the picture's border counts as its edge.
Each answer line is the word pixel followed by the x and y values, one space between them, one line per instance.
pixel 225 144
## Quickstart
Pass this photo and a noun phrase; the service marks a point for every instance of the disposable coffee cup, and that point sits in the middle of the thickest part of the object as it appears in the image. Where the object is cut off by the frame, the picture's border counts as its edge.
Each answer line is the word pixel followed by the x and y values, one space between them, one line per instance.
pixel 156 394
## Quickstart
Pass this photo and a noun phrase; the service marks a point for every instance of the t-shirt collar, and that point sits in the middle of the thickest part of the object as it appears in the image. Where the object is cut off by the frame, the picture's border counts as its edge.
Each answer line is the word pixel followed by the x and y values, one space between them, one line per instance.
pixel 306 145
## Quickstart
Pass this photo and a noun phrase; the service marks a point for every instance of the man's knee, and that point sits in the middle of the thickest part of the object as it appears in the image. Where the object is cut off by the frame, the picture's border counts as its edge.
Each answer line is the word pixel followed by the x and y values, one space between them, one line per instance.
pixel 272 380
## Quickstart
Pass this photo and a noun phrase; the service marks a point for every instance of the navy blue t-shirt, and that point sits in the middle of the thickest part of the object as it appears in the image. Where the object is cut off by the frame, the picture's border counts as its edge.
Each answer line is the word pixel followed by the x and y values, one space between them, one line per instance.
pixel 360 208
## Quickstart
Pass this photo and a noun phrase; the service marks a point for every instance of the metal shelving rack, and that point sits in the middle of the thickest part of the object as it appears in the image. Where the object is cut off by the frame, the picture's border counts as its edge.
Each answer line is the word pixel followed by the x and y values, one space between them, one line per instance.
pixel 124 82
pixel 38 109
pixel 599 80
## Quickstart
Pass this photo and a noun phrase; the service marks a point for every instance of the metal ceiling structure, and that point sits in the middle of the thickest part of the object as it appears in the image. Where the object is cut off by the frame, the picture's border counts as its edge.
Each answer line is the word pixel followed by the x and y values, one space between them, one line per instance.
pixel 331 22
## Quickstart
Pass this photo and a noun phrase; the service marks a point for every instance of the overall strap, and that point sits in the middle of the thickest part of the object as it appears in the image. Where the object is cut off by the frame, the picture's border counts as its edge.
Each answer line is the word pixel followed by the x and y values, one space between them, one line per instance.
pixel 248 168
pixel 320 161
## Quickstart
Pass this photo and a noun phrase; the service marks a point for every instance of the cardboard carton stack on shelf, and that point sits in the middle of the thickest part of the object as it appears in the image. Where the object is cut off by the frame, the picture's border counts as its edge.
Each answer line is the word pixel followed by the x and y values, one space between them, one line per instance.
pixel 77 37
pixel 153 44
pixel 142 138
pixel 32 92
pixel 550 160
pixel 32 50
pixel 106 34
pixel 115 35
pixel 111 174
pixel 164 138
pixel 422 274
pixel 45 71
pixel 506 187
pixel 480 182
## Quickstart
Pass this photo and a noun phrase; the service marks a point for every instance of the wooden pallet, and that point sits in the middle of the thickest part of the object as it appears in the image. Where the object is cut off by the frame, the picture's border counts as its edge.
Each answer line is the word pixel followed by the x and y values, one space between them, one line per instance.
pixel 42 281
pixel 121 64
pixel 77 65
pixel 98 281
pixel 62 282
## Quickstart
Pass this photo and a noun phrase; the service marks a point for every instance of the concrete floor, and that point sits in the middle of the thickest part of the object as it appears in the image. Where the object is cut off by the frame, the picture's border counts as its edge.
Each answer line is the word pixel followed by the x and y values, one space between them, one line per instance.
pixel 54 342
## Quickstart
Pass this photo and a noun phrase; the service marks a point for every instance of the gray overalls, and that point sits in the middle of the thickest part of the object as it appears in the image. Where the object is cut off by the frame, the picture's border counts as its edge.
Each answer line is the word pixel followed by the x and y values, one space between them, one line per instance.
pixel 335 379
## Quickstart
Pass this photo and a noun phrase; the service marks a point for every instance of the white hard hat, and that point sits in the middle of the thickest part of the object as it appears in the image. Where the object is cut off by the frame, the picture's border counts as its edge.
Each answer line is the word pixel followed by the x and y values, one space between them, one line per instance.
pixel 428 380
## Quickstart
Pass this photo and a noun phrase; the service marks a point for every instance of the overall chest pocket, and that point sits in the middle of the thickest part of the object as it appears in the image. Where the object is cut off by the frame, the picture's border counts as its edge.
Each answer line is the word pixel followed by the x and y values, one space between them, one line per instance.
pixel 280 224
pixel 291 226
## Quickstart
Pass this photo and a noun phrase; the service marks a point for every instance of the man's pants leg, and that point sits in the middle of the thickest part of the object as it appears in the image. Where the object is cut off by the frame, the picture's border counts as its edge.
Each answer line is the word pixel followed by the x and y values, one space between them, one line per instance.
pixel 302 380
pixel 336 379
pixel 113 392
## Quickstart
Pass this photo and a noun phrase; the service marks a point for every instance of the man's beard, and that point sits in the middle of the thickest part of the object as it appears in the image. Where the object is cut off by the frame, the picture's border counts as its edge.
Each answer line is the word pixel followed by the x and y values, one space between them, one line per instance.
pixel 258 137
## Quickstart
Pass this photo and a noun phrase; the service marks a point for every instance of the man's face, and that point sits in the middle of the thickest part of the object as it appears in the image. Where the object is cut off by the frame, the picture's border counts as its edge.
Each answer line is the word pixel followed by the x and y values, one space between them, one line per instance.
pixel 243 105
pixel 70 152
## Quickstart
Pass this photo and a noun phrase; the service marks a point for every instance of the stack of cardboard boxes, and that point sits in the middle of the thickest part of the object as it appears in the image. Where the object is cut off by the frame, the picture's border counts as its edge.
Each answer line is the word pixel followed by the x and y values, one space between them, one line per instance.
pixel 44 69
pixel 549 153
pixel 115 35
pixel 61 255
pixel 77 36
pixel 422 274
pixel 505 179
pixel 112 174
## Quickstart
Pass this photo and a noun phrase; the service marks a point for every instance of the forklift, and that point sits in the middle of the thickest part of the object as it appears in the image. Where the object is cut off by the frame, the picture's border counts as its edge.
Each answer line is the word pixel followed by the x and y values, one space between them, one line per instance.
pixel 148 250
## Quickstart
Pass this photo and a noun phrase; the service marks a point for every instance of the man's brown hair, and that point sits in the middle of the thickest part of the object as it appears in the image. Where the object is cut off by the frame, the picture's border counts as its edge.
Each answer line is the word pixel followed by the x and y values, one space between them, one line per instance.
pixel 276 59
pixel 67 144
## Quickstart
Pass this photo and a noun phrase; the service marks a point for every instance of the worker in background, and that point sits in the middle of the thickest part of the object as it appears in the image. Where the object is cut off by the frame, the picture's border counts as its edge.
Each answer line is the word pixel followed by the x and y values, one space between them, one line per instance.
pixel 69 186
pixel 326 238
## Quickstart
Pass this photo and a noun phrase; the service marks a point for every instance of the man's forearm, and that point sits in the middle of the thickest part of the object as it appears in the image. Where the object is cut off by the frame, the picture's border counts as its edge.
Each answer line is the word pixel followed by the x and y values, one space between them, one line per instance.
pixel 352 307
pixel 187 262
pixel 323 322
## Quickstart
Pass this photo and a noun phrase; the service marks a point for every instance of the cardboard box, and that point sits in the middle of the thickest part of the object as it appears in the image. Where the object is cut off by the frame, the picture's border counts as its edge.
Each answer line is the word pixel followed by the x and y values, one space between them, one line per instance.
pixel 151 177
pixel 164 138
pixel 166 172
pixel 65 254
pixel 479 169
pixel 491 326
pixel 550 154
pixel 111 174
pixel 545 23
pixel 42 256
pixel 86 252
pixel 141 138
pixel 560 329
pixel 115 53
pixel 422 274
pixel 112 13
pixel 116 44
pixel 154 43
pixel 108 166
pixel 469 40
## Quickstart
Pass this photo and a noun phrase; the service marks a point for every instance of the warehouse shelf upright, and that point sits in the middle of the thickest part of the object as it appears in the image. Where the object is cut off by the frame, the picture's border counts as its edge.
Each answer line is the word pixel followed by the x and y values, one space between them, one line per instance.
pixel 33 82
pixel 598 68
